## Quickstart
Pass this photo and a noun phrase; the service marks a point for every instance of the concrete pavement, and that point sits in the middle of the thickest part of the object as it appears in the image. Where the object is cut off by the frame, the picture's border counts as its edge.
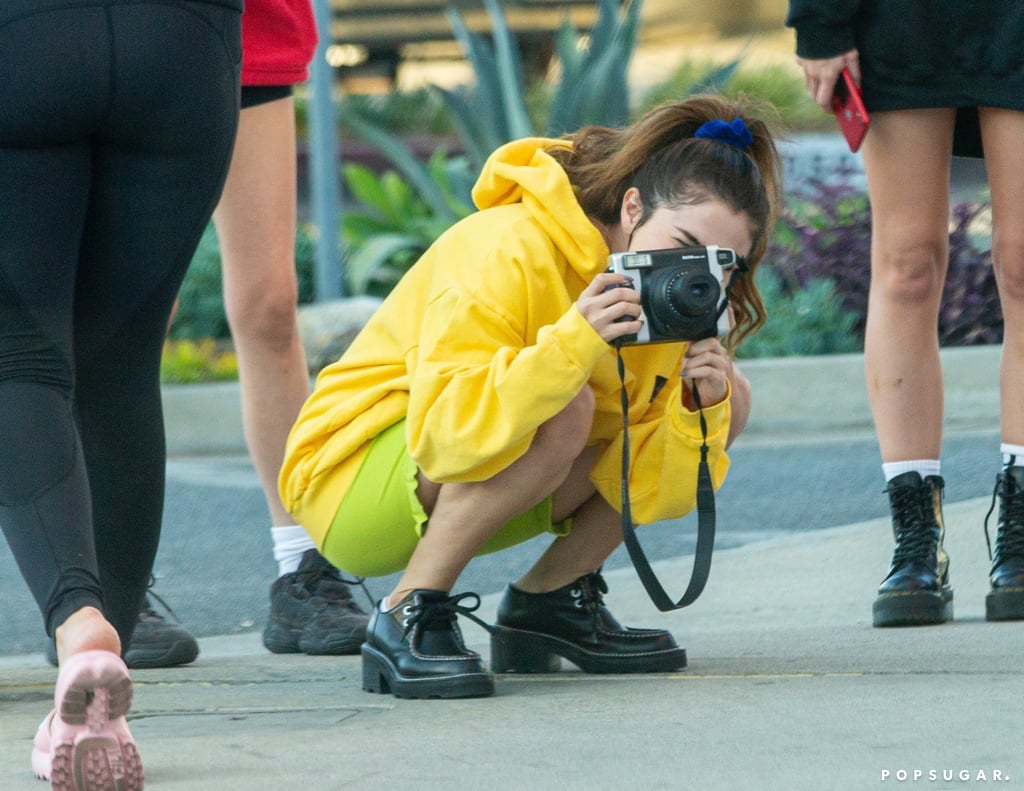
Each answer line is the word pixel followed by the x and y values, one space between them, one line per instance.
pixel 788 685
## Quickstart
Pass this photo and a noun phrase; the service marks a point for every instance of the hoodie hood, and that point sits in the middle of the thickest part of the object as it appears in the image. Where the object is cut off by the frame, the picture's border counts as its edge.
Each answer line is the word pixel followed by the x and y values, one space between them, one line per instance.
pixel 523 172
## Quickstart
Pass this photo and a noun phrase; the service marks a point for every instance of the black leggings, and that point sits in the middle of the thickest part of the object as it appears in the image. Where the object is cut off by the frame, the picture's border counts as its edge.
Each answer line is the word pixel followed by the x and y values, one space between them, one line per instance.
pixel 116 128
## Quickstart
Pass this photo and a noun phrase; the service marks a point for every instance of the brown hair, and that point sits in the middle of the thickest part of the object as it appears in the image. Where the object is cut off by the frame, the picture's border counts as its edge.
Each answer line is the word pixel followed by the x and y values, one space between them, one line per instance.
pixel 659 155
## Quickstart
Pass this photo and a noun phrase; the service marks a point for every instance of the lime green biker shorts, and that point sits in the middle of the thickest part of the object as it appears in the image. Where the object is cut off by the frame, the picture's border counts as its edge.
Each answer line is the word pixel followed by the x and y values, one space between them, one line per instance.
pixel 380 519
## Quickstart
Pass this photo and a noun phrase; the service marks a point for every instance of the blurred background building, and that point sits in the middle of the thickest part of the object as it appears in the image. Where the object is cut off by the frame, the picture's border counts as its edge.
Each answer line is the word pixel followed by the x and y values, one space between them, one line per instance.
pixel 400 43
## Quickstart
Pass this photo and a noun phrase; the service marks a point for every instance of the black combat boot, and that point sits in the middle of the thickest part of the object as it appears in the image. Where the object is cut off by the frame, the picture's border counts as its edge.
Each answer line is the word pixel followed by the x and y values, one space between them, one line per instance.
pixel 916 592
pixel 534 630
pixel 415 650
pixel 1005 602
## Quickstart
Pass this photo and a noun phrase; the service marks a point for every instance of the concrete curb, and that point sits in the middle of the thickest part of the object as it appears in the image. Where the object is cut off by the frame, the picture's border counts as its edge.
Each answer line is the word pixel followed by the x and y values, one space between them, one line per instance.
pixel 794 397
pixel 812 397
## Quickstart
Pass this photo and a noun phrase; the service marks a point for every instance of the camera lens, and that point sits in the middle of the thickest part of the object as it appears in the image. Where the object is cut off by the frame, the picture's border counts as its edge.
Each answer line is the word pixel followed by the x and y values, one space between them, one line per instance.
pixel 699 290
pixel 692 293
pixel 681 300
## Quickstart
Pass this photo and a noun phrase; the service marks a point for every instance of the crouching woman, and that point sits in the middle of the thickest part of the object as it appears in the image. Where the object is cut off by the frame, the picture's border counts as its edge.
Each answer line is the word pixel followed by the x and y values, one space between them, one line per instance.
pixel 480 407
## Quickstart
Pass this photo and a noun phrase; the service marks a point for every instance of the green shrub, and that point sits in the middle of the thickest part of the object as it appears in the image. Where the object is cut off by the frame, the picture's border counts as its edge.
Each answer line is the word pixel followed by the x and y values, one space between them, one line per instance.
pixel 801 320
pixel 782 88
pixel 394 225
pixel 825 234
pixel 197 361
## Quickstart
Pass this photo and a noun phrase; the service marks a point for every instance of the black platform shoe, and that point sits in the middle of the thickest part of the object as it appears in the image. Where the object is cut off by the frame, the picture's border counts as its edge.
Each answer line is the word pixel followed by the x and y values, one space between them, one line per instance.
pixel 415 650
pixel 1005 601
pixel 916 591
pixel 535 629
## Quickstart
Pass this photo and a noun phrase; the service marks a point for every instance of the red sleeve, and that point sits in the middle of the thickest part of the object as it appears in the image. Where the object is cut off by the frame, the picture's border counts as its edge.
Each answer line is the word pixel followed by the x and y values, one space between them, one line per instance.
pixel 279 38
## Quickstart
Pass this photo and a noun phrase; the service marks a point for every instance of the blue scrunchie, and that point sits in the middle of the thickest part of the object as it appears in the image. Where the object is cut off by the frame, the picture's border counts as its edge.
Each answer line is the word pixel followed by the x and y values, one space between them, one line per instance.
pixel 735 133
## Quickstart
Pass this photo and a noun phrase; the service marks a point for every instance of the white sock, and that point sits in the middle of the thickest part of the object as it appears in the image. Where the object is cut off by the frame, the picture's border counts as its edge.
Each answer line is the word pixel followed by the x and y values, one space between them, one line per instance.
pixel 923 467
pixel 290 543
pixel 1013 455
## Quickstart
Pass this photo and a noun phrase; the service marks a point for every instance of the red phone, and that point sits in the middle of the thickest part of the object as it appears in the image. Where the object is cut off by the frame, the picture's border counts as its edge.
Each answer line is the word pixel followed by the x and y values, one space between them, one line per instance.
pixel 849 109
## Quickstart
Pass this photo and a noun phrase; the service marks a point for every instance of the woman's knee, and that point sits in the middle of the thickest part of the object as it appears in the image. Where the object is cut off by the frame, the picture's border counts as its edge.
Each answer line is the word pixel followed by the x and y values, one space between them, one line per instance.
pixel 267 317
pixel 565 435
pixel 1008 263
pixel 911 271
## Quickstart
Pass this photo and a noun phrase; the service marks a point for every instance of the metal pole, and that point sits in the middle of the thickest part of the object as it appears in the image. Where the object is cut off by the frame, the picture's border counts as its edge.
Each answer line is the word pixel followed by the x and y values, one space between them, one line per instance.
pixel 324 164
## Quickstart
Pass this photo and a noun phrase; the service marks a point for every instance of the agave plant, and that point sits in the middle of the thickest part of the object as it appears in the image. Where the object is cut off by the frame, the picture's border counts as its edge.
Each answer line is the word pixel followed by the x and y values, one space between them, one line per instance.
pixel 398 221
pixel 591 88
pixel 494 111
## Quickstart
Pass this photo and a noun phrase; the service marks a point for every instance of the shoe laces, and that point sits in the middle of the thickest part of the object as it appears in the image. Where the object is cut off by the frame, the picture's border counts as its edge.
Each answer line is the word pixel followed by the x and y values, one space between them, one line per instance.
pixel 588 592
pixel 1010 532
pixel 147 613
pixel 914 524
pixel 592 588
pixel 327 582
pixel 439 614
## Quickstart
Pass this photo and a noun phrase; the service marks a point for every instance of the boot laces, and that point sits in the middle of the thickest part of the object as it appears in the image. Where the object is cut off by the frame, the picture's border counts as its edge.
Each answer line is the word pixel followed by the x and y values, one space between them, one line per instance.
pixel 440 614
pixel 914 524
pixel 1010 532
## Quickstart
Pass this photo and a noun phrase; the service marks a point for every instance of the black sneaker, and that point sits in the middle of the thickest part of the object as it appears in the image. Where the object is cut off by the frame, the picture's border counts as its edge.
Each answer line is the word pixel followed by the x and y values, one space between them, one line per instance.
pixel 312 611
pixel 157 642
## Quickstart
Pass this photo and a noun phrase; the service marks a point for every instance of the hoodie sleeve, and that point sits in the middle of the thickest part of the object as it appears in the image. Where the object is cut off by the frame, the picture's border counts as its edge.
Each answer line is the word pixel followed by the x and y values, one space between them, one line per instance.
pixel 824 28
pixel 664 457
pixel 479 392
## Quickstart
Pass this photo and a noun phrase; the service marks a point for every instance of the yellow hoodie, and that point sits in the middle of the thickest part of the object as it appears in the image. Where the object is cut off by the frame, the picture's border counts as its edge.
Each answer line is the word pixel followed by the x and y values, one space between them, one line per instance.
pixel 481 342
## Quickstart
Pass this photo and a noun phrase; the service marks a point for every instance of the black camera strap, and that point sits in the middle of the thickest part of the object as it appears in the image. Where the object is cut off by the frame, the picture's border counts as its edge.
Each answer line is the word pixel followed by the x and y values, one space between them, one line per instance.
pixel 705 516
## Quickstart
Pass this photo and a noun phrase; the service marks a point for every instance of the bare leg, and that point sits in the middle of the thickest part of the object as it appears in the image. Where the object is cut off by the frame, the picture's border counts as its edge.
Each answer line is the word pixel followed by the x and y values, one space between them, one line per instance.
pixel 907 157
pixel 1003 133
pixel 596 532
pixel 463 516
pixel 256 222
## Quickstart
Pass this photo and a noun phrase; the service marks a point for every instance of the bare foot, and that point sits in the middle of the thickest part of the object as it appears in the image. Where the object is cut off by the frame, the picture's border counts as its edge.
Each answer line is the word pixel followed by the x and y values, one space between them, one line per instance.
pixel 86 630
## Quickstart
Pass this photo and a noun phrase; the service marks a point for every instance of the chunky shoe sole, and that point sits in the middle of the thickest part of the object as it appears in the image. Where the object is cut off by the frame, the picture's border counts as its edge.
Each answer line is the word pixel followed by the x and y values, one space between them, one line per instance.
pixel 279 639
pixel 520 651
pixel 84 744
pixel 1005 604
pixel 381 676
pixel 181 652
pixel 913 608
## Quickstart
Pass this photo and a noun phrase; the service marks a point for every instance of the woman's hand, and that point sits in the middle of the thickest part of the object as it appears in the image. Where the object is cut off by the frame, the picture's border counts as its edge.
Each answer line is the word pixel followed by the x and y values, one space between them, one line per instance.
pixel 708 367
pixel 821 75
pixel 602 309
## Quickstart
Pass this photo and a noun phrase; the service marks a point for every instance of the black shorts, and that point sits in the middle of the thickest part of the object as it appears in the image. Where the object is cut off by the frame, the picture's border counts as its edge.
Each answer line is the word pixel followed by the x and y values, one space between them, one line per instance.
pixel 261 94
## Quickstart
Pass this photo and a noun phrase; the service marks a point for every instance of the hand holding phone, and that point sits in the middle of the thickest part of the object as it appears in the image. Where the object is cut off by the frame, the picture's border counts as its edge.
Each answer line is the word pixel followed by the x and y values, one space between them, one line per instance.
pixel 850 111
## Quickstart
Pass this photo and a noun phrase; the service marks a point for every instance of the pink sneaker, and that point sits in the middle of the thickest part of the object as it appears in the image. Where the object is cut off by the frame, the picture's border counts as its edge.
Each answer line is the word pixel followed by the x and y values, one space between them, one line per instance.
pixel 84 744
